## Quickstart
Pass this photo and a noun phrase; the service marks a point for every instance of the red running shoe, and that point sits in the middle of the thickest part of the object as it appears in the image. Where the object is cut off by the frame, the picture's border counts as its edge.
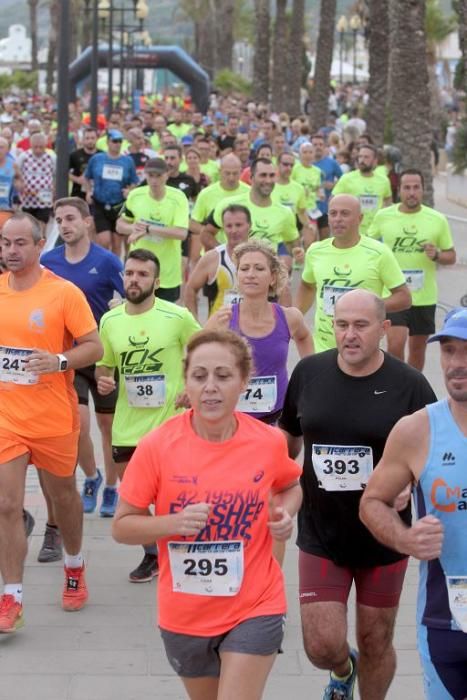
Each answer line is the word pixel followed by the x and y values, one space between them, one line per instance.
pixel 11 614
pixel 75 592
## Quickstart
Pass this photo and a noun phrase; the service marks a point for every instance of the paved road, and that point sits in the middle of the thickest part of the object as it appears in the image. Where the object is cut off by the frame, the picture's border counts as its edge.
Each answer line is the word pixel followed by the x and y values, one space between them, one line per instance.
pixel 111 650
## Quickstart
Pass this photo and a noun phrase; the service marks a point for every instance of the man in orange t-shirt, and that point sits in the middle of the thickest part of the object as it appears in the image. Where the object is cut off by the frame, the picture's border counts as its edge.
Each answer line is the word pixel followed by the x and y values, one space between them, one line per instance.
pixel 47 330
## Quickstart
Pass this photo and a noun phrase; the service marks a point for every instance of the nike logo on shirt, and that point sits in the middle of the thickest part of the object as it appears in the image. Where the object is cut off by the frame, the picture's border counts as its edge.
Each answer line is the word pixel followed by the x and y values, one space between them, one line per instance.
pixel 376 392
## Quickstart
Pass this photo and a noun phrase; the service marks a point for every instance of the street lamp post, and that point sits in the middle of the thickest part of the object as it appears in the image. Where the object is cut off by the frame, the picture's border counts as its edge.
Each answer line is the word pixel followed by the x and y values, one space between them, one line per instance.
pixel 355 26
pixel 341 30
pixel 140 11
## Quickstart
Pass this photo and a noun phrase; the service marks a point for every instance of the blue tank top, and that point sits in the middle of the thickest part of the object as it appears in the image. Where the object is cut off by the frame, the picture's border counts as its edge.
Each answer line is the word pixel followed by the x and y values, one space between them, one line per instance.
pixel 269 353
pixel 7 174
pixel 442 492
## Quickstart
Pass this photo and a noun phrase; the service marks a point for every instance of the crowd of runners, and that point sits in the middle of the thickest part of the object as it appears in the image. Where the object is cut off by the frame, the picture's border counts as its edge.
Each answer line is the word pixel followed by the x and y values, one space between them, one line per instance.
pixel 189 250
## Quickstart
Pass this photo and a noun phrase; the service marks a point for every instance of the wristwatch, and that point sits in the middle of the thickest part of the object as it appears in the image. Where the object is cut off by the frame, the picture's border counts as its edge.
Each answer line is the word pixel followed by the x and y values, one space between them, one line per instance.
pixel 62 363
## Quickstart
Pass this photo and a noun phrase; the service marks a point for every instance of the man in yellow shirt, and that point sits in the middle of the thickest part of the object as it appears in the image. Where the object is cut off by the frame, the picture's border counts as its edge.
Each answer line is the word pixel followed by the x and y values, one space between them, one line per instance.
pixel 155 217
pixel 372 190
pixel 343 262
pixel 420 238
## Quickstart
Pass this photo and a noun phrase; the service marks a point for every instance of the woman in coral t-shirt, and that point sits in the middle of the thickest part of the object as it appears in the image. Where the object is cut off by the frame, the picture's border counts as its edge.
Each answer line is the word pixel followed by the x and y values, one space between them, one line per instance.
pixel 212 473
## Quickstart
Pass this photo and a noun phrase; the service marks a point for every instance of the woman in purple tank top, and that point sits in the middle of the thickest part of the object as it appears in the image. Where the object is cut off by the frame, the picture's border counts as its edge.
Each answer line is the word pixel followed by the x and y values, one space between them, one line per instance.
pixel 267 326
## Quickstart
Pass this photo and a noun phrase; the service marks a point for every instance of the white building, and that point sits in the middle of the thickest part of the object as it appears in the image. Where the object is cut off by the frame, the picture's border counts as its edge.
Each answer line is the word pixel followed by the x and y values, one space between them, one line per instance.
pixel 16 47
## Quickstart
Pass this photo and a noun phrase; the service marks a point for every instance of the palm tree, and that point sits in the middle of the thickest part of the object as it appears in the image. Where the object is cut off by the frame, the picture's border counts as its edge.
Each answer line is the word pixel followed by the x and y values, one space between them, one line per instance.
pixel 378 23
pixel 280 48
pixel 262 51
pixel 202 14
pixel 323 61
pixel 33 4
pixel 224 23
pixel 295 58
pixel 462 13
pixel 409 96
pixel 54 10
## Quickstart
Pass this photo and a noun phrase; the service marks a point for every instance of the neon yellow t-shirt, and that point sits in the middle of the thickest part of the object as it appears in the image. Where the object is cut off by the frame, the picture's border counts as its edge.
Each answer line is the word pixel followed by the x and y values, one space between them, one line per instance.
pixel 155 141
pixel 179 130
pixel 406 234
pixel 147 349
pixel 211 170
pixel 310 177
pixel 368 265
pixel 275 223
pixel 291 195
pixel 170 211
pixel 211 196
pixel 101 144
pixel 371 191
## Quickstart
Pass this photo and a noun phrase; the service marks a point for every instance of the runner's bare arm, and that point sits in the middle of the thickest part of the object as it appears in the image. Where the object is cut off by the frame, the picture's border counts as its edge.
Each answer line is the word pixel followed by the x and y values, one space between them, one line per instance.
pixel 285 505
pixel 87 351
pixel 196 281
pixel 306 294
pixel 299 331
pixel 195 227
pixel 105 380
pixel 208 236
pixel 399 300
pixel 443 257
pixel 294 444
pixel 399 466
pixel 132 525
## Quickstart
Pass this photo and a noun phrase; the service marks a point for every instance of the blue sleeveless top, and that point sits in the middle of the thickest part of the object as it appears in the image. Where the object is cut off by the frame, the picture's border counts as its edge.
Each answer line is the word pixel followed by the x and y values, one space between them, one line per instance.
pixel 269 353
pixel 442 492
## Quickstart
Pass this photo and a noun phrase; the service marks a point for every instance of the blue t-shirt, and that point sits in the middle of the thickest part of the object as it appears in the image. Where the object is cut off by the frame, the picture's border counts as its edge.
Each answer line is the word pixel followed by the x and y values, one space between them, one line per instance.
pixel 332 172
pixel 98 275
pixel 110 177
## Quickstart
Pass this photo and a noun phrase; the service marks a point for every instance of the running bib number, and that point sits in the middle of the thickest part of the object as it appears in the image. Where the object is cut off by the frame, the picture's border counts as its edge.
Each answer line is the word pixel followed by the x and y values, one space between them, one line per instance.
pixel 45 196
pixel 330 297
pixel 457 592
pixel 206 568
pixel 368 202
pixel 342 467
pixel 12 366
pixel 314 214
pixel 260 397
pixel 145 390
pixel 231 296
pixel 112 172
pixel 414 279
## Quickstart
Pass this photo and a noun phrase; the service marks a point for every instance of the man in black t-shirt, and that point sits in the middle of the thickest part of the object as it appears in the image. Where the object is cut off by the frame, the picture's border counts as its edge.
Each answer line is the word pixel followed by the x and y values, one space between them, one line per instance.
pixel 341 405
pixel 78 161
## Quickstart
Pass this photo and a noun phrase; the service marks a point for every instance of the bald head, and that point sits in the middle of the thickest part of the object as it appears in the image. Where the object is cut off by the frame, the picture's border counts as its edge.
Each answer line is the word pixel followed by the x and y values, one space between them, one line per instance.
pixel 344 215
pixel 361 300
pixel 230 172
pixel 359 326
pixel 230 161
